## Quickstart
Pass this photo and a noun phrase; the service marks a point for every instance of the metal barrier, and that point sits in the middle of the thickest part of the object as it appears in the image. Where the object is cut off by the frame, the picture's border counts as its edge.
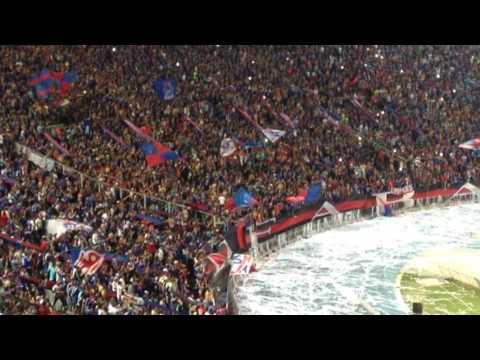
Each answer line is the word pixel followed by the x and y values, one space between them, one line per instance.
pixel 271 246
pixel 153 202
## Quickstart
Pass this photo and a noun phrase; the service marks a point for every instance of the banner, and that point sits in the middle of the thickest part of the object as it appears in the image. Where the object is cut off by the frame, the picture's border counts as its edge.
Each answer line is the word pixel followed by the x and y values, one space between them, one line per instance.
pixel 42 162
pixel 59 227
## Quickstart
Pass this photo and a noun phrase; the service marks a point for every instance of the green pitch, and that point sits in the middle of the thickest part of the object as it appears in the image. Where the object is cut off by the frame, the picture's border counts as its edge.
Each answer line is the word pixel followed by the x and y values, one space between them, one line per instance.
pixel 440 297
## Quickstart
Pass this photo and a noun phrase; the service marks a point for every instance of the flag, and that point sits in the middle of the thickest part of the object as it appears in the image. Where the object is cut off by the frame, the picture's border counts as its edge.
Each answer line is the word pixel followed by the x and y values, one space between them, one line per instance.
pixel 56 144
pixel 156 153
pixel 153 220
pixel 215 261
pixel 241 264
pixel 286 119
pixel 113 136
pixel 59 227
pixel 473 144
pixel 314 194
pixel 227 147
pixel 187 119
pixel 88 261
pixel 139 131
pixel 166 89
pixel 241 199
pixel 273 135
pixel 249 118
pixel 47 82
pixel 329 118
pixel 299 198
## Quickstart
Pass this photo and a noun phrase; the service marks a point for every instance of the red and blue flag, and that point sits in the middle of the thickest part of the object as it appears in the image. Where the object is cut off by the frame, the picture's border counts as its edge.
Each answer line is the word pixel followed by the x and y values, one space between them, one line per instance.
pixel 156 153
pixel 48 82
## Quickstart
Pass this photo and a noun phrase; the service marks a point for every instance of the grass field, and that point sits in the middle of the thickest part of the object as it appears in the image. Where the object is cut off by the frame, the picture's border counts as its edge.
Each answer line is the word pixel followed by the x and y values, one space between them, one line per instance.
pixel 440 297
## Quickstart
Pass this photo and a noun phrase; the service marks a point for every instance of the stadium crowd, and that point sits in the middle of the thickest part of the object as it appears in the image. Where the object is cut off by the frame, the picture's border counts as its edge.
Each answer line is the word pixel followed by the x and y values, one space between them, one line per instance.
pixel 402 111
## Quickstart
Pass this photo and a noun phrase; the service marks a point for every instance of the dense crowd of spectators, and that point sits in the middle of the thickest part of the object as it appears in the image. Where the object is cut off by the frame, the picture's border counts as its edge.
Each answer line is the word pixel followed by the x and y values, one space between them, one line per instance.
pixel 418 104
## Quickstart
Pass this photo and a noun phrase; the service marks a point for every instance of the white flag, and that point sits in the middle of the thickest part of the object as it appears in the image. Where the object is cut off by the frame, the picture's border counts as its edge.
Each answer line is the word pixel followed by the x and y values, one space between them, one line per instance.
pixel 242 264
pixel 227 147
pixel 273 135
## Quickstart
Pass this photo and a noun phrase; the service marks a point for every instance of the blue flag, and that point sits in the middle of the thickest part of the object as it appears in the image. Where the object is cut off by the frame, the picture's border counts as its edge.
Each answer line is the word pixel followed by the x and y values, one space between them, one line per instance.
pixel 166 89
pixel 314 194
pixel 243 198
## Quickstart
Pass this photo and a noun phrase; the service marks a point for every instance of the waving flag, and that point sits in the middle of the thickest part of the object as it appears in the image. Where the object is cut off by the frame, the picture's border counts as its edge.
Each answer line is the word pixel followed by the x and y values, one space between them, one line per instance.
pixel 156 153
pixel 214 263
pixel 249 118
pixel 228 147
pixel 47 82
pixel 286 119
pixel 166 89
pixel 56 144
pixel 59 227
pixel 241 264
pixel 88 261
pixel 241 199
pixel 314 194
pixel 273 135
pixel 473 144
